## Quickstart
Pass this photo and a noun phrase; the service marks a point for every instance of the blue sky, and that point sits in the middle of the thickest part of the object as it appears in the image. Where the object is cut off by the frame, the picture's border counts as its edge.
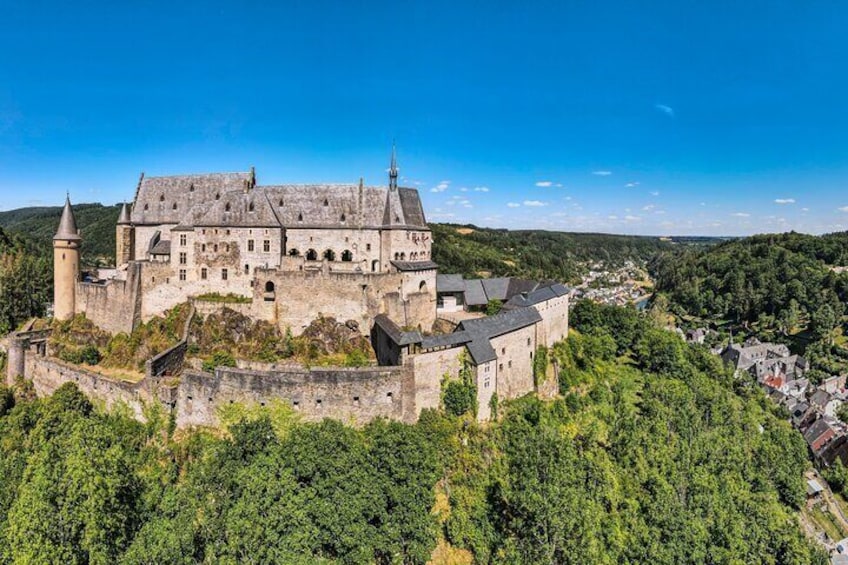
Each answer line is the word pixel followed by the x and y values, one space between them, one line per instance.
pixel 651 117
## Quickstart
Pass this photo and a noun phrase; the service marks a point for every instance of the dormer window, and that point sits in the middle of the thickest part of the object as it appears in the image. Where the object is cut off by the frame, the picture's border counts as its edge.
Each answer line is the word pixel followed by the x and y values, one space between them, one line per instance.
pixel 161 198
pixel 191 187
pixel 397 219
pixel 326 202
pixel 300 217
pixel 174 207
pixel 146 207
pixel 342 218
pixel 217 196
pixel 281 202
pixel 250 207
pixel 227 207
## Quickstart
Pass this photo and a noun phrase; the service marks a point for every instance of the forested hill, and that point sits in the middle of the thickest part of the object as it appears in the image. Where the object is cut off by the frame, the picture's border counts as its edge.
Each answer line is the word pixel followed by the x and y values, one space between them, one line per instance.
pixel 537 254
pixel 95 221
pixel 783 286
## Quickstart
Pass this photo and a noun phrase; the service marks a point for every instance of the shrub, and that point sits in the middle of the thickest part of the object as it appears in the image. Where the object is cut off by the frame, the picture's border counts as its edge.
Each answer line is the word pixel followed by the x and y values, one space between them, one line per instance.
pixel 219 359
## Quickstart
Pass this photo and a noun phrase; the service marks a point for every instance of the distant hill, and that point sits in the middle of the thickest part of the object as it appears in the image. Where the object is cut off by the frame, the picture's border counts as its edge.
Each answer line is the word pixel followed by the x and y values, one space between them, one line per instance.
pixel 95 221
pixel 538 254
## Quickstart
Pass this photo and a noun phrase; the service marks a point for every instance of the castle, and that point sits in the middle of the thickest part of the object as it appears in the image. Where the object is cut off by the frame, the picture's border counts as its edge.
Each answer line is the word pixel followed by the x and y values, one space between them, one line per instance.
pixel 290 253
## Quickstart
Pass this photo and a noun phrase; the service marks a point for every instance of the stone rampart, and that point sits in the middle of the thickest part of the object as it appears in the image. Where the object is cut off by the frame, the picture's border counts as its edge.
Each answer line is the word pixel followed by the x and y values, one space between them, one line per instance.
pixel 352 395
pixel 115 305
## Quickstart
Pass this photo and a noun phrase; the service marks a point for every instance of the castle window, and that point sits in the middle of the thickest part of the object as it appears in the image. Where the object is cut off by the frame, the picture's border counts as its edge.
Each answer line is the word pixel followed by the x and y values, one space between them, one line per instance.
pixel 266 245
pixel 191 187
pixel 269 286
pixel 403 256
pixel 182 258
pixel 509 364
pixel 356 400
pixel 500 367
pixel 217 196
pixel 161 198
pixel 227 207
pixel 330 255
pixel 203 274
pixel 250 207
pixel 281 202
pixel 342 218
pixel 422 287
pixel 503 350
pixel 250 245
pixel 486 383
pixel 367 247
pixel 528 341
pixel 397 256
pixel 375 265
pixel 228 232
pixel 182 239
pixel 294 252
pixel 389 396
pixel 146 207
pixel 300 217
pixel 326 202
pixel 182 274
pixel 174 206
pixel 311 255
pixel 215 248
pixel 247 269
pixel 203 247
pixel 318 403
pixel 347 255
pixel 224 274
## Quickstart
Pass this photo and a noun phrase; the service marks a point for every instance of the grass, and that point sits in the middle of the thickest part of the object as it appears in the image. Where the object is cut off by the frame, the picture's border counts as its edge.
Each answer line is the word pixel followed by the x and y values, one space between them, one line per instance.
pixel 229 298
pixel 825 522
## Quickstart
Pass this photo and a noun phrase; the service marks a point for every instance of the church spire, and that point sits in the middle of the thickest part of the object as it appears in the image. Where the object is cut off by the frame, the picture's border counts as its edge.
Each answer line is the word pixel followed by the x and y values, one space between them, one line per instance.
pixel 393 173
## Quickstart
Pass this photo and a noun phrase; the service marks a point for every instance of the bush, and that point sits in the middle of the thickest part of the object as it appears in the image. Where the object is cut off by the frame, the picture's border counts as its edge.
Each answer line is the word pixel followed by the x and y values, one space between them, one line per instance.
pixel 459 398
pixel 7 400
pixel 219 359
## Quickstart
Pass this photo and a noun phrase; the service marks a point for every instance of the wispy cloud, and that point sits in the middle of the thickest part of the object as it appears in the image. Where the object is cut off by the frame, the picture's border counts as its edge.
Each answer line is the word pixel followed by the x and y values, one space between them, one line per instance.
pixel 441 187
pixel 843 209
pixel 631 184
pixel 513 204
pixel 630 218
pixel 667 110
pixel 648 207
pixel 747 215
pixel 602 173
pixel 784 201
pixel 654 193
pixel 535 203
pixel 544 183
pixel 481 189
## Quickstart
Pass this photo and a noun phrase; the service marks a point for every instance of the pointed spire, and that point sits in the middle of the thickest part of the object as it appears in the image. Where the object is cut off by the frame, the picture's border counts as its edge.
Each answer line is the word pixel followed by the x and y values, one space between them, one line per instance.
pixel 124 217
pixel 67 225
pixel 393 173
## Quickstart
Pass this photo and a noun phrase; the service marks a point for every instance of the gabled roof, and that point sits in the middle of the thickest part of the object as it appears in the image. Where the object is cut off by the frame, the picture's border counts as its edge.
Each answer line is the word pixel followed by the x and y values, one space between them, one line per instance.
pixel 239 208
pixel 162 247
pixel 394 332
pixel 450 283
pixel 157 196
pixel 818 429
pixel 501 323
pixel 496 289
pixel 474 293
pixel 541 294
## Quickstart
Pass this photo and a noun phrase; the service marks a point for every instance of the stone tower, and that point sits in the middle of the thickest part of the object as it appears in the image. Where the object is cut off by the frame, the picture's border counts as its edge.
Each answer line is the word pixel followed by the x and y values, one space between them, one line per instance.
pixel 124 238
pixel 66 261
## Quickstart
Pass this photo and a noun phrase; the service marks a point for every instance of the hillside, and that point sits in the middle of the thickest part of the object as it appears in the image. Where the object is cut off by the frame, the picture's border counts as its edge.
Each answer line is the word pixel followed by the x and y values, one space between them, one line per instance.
pixel 788 287
pixel 535 254
pixel 95 221
pixel 652 454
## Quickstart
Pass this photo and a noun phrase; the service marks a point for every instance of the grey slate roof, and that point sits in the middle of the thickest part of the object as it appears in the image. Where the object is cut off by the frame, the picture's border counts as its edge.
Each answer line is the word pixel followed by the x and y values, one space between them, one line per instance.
pixel 539 295
pixel 189 199
pixel 162 247
pixel 474 293
pixel 67 224
pixel 414 265
pixel 816 430
pixel 396 334
pixel 450 283
pixel 496 289
pixel 124 216
pixel 501 323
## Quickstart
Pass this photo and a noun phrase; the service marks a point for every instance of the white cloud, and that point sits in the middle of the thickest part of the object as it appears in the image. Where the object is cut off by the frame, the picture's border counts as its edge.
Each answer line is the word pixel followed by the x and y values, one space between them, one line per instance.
pixel 441 187
pixel 632 218
pixel 602 173
pixel 612 217
pixel 463 189
pixel 544 183
pixel 654 193
pixel 648 207
pixel 535 203
pixel 442 216
pixel 631 184
pixel 784 201
pixel 667 110
pixel 805 209
pixel 747 215
pixel 513 204
pixel 481 189
pixel 843 209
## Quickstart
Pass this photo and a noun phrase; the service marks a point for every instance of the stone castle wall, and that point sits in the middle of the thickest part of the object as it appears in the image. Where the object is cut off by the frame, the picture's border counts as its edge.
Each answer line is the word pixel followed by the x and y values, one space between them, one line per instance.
pixel 115 305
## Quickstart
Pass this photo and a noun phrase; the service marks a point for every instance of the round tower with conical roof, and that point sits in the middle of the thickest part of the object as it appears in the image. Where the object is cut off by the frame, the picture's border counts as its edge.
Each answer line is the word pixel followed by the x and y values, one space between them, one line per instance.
pixel 66 264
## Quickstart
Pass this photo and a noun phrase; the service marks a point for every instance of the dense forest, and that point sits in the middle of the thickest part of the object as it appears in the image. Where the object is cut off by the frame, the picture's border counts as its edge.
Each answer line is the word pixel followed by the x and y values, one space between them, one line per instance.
pixel 96 223
pixel 26 279
pixel 654 454
pixel 534 254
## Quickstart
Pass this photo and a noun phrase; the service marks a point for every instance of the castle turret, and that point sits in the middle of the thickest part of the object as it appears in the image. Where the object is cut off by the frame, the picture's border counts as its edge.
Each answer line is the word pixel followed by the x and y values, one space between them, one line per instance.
pixel 124 238
pixel 66 261
pixel 393 211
